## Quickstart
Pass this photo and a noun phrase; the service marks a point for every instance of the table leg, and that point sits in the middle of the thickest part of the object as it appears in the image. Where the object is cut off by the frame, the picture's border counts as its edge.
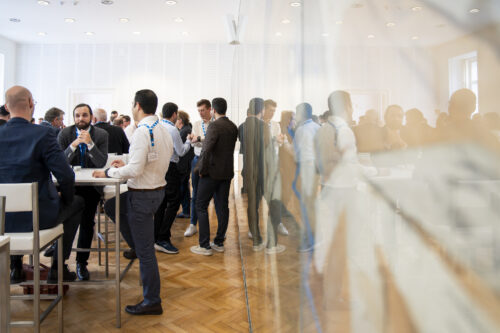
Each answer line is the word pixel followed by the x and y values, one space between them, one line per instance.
pixel 117 253
pixel 5 289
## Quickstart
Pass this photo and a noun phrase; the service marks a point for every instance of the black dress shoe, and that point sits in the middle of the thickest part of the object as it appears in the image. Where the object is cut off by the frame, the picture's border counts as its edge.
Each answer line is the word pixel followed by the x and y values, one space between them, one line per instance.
pixel 17 275
pixel 82 272
pixel 130 254
pixel 142 309
pixel 51 250
pixel 67 275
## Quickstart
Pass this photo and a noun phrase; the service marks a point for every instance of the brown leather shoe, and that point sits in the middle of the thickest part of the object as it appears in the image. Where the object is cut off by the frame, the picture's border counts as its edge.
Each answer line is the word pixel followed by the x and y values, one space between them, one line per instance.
pixel 141 309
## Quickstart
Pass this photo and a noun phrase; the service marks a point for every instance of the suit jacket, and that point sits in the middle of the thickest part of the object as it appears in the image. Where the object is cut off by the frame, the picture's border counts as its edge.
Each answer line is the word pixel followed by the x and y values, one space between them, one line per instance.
pixel 94 158
pixel 184 164
pixel 47 124
pixel 29 154
pixel 117 140
pixel 256 137
pixel 217 160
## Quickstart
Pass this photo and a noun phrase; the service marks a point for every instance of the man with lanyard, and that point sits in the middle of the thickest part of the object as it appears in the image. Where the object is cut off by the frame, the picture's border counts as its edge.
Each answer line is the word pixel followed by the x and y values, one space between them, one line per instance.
pixel 165 216
pixel 198 134
pixel 86 146
pixel 149 156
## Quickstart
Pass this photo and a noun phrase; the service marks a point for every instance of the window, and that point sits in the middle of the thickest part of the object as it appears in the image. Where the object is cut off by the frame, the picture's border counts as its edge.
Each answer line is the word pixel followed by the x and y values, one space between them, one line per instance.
pixel 2 78
pixel 463 73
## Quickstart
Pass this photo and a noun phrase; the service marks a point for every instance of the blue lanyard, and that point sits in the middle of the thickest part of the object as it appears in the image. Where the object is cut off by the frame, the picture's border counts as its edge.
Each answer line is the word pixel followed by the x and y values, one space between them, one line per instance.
pixel 83 148
pixel 168 122
pixel 150 128
pixel 203 128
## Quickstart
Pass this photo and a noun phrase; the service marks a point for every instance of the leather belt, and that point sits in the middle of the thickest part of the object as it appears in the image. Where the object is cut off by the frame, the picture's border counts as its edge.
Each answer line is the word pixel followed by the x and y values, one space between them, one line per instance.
pixel 146 189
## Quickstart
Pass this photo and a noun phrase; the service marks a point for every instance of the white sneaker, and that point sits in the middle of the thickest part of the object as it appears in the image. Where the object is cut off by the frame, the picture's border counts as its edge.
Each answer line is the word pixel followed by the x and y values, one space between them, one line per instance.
pixel 259 247
pixel 190 231
pixel 250 235
pixel 276 249
pixel 282 230
pixel 201 250
pixel 216 247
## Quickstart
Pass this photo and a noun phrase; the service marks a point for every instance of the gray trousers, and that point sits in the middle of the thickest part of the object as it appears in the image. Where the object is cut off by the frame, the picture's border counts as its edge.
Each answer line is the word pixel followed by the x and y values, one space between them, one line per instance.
pixel 137 210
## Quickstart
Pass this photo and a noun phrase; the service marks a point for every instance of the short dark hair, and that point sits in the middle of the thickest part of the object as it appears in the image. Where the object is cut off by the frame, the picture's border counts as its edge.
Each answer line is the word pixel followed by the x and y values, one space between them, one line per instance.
pixel 125 117
pixel 205 102
pixel 184 116
pixel 147 99
pixel 169 109
pixel 114 112
pixel 52 114
pixel 256 106
pixel 270 102
pixel 3 111
pixel 82 105
pixel 220 105
pixel 118 122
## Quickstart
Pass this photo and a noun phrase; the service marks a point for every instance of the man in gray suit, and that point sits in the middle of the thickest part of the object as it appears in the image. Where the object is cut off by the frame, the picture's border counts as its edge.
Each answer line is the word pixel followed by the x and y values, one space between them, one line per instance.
pixel 86 146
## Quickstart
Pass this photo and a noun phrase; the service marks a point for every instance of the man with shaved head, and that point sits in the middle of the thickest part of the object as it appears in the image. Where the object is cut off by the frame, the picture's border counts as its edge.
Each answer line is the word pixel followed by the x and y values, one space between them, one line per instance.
pixel 29 154
pixel 117 140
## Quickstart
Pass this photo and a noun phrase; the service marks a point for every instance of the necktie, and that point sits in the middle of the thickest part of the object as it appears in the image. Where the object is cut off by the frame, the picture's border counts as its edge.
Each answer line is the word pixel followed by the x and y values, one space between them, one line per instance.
pixel 83 148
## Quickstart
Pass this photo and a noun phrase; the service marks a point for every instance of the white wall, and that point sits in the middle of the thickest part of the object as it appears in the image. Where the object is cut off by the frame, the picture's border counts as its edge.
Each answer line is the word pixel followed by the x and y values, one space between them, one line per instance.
pixel 8 49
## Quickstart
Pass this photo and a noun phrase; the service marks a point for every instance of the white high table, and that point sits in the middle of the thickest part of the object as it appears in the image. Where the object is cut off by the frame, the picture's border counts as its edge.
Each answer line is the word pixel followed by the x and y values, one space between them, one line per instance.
pixel 83 177
pixel 4 284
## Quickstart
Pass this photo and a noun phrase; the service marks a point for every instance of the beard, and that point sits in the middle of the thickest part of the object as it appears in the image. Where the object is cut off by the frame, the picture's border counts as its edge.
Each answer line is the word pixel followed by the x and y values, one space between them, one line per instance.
pixel 82 125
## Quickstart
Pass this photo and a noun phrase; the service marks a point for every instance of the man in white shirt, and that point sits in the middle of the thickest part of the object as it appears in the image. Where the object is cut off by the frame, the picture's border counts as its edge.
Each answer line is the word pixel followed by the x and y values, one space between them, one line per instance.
pixel 165 216
pixel 149 157
pixel 129 131
pixel 199 131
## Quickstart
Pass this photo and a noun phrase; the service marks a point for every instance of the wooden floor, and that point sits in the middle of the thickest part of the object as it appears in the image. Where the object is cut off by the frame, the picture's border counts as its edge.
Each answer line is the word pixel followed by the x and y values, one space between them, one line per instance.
pixel 199 293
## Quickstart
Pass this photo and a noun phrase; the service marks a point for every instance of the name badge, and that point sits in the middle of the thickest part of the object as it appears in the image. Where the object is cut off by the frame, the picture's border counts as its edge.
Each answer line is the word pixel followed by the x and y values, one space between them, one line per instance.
pixel 152 156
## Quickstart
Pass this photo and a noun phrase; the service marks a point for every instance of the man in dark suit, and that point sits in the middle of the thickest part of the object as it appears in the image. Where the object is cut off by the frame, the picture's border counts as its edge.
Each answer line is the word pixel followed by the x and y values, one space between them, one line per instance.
pixel 29 154
pixel 86 146
pixel 117 140
pixel 216 169
pixel 54 118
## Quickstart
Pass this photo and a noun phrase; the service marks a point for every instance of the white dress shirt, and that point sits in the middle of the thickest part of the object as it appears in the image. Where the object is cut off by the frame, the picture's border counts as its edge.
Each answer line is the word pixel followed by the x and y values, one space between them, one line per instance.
pixel 304 141
pixel 180 149
pixel 141 173
pixel 198 131
pixel 129 131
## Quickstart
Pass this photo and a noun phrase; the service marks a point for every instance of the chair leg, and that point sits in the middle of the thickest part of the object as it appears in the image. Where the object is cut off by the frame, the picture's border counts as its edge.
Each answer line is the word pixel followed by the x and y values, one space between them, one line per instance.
pixel 98 233
pixel 60 287
pixel 106 244
pixel 36 290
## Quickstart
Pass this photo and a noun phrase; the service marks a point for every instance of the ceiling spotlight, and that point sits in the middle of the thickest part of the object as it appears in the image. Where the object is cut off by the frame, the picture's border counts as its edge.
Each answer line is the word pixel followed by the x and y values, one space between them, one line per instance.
pixel 416 8
pixel 285 21
pixel 415 38
pixel 279 34
pixel 371 36
pixel 14 20
pixel 107 2
pixel 179 20
pixel 185 33
pixel 89 33
pixel 69 20
pixel 124 20
pixel 474 10
pixel 43 3
pixel 136 33
pixel 390 24
pixel 42 34
pixel 295 4
pixel 339 22
pixel 170 2
pixel 325 34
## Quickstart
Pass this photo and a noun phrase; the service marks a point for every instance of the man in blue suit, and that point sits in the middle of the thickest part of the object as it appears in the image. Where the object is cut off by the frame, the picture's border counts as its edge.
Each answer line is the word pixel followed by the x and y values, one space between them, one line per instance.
pixel 29 154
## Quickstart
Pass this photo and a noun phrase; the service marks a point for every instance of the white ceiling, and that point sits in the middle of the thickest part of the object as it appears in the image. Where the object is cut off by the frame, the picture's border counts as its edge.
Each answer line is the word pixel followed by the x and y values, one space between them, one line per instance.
pixel 205 21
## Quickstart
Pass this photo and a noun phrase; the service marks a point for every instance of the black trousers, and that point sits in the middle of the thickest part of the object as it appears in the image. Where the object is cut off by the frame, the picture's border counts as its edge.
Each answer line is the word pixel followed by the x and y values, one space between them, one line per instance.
pixel 70 216
pixel 207 188
pixel 254 195
pixel 166 213
pixel 91 197
pixel 272 222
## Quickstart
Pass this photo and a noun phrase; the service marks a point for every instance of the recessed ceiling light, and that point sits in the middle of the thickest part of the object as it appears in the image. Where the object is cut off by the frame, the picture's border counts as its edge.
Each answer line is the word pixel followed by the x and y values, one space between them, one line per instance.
pixel 136 33
pixel 14 20
pixel 69 20
pixel 279 34
pixel 295 4
pixel 43 3
pixel 185 33
pixel 285 21
pixel 179 20
pixel 474 10
pixel 357 5
pixel 107 2
pixel 339 22
pixel 42 34
pixel 415 38
pixel 170 2
pixel 390 24
pixel 124 20
pixel 416 8
pixel 90 33
pixel 371 36
pixel 325 34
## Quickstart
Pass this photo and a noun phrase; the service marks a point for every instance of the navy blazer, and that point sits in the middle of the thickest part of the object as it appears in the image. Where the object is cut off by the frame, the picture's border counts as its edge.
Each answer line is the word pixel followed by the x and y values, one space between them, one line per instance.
pixel 29 153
